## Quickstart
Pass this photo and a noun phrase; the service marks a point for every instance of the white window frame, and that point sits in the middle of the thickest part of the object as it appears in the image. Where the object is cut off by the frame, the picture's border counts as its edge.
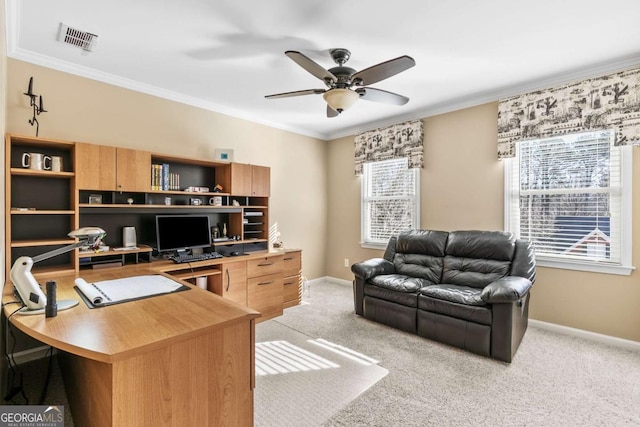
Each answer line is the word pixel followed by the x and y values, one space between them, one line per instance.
pixel 367 243
pixel 625 267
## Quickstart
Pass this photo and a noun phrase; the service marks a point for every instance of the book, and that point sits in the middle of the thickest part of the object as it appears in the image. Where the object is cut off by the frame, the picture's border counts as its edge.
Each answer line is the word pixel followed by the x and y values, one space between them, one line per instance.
pixel 165 177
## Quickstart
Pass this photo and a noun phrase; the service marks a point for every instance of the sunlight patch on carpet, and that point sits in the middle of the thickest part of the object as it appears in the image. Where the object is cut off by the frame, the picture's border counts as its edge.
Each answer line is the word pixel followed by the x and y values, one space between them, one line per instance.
pixel 281 357
pixel 344 351
pixel 302 380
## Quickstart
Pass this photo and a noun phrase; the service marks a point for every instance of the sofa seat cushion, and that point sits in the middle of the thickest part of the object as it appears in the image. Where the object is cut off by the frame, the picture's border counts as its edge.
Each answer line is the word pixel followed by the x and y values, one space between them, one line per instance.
pixel 395 288
pixel 462 302
pixel 455 293
pixel 471 313
pixel 399 282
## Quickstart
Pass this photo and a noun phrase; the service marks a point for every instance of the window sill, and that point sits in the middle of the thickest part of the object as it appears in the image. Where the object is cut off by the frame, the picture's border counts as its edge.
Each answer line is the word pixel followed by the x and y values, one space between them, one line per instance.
pixel 622 270
pixel 368 245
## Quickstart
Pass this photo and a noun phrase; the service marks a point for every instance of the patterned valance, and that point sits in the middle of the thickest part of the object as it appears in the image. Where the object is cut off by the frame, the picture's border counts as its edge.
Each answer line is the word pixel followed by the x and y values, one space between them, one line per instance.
pixel 609 102
pixel 401 140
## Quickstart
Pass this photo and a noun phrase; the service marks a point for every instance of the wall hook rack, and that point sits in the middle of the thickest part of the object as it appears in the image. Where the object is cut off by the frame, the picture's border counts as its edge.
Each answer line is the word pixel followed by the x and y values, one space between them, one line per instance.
pixel 38 108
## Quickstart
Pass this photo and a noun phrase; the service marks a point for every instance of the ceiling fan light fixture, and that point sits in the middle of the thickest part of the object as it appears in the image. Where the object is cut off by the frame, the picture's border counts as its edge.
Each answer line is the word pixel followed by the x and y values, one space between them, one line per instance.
pixel 340 99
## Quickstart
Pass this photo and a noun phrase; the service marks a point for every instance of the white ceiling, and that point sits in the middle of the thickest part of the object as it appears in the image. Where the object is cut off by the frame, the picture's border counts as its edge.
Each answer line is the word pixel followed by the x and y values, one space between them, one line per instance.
pixel 226 55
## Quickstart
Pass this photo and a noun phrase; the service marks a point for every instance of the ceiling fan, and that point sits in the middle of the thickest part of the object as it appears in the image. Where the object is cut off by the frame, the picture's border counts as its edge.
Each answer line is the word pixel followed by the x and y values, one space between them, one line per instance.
pixel 345 85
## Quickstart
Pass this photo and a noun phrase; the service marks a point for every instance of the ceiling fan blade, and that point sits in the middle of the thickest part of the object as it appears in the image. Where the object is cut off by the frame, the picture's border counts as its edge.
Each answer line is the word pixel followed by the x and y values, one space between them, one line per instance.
pixel 311 66
pixel 331 112
pixel 383 70
pixel 296 93
pixel 379 95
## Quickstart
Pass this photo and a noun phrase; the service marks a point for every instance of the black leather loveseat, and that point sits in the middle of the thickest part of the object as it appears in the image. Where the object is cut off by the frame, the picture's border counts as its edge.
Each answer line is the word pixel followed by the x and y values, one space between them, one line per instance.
pixel 469 289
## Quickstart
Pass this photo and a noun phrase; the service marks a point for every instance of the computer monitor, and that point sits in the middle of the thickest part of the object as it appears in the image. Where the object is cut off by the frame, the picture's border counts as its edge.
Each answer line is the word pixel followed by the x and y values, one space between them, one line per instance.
pixel 179 233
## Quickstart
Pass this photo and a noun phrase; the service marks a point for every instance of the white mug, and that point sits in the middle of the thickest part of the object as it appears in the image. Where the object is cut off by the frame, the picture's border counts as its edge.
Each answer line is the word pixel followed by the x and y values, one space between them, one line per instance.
pixel 201 282
pixel 215 201
pixel 36 161
pixel 57 163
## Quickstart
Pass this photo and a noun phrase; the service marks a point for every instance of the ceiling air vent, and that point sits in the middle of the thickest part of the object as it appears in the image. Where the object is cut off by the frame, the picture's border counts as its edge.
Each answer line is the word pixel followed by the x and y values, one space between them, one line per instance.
pixel 86 41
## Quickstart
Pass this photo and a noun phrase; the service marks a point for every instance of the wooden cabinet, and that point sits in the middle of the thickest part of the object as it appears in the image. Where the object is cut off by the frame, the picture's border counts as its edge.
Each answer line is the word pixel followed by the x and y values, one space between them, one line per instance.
pixel 240 179
pixel 106 168
pixel 264 285
pixel 133 170
pixel 292 281
pixel 260 181
pixel 250 180
pixel 41 206
pixel 233 283
pixel 95 167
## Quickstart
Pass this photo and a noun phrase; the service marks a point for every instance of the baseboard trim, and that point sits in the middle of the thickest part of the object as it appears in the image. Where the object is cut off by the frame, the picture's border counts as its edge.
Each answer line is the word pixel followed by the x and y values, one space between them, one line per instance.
pixel 581 333
pixel 335 280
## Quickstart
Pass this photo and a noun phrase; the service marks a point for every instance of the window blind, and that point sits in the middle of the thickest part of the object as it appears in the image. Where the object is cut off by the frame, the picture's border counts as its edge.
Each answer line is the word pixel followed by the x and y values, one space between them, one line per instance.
pixel 389 199
pixel 566 197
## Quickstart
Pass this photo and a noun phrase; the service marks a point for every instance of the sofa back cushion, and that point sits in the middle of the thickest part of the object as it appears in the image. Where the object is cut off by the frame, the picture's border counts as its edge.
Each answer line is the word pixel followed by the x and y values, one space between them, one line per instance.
pixel 477 258
pixel 420 253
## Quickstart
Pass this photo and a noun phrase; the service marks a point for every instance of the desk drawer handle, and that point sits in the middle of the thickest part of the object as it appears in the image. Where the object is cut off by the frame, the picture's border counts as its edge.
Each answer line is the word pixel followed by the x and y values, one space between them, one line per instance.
pixel 265 264
pixel 265 283
pixel 288 283
pixel 228 280
pixel 288 259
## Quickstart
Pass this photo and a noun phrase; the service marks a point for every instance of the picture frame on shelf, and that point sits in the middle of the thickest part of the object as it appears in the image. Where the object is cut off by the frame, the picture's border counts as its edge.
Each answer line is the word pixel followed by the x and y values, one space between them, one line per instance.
pixel 95 199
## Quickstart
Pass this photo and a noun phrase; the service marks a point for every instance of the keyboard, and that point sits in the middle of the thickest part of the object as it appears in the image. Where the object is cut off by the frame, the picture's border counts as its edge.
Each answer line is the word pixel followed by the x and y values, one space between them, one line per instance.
pixel 179 259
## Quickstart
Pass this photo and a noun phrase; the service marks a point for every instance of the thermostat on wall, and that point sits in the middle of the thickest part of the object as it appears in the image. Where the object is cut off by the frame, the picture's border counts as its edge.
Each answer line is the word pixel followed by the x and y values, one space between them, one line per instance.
pixel 224 154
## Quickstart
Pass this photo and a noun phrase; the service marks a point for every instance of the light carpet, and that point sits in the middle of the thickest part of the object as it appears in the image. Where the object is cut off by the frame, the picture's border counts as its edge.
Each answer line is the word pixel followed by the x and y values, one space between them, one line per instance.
pixel 554 379
pixel 303 380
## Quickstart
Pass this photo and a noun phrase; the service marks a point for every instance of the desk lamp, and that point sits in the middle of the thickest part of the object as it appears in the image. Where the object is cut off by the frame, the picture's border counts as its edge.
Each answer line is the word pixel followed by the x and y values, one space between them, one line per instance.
pixel 27 286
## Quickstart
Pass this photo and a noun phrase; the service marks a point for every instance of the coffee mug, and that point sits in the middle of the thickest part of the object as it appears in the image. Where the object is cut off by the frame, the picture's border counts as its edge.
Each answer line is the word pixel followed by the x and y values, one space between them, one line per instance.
pixel 57 164
pixel 215 201
pixel 37 161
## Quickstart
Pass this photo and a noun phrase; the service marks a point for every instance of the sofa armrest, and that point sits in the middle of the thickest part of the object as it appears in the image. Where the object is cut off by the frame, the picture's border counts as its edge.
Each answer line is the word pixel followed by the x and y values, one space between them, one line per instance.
pixel 506 289
pixel 372 267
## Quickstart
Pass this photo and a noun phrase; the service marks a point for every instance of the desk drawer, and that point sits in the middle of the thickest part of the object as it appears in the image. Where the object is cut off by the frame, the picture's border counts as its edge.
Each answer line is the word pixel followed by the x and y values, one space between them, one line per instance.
pixel 291 290
pixel 292 264
pixel 265 294
pixel 265 265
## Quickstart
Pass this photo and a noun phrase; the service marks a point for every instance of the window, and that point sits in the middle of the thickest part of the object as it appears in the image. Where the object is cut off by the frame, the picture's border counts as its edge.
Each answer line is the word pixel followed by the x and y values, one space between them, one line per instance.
pixel 570 195
pixel 390 201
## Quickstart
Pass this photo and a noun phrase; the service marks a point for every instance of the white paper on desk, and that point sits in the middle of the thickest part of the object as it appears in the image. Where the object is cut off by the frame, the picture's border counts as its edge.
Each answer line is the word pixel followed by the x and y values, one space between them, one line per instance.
pixel 127 288
pixel 89 291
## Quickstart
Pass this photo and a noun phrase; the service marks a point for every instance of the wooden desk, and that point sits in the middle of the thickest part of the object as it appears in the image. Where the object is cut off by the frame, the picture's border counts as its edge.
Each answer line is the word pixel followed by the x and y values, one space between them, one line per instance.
pixel 183 359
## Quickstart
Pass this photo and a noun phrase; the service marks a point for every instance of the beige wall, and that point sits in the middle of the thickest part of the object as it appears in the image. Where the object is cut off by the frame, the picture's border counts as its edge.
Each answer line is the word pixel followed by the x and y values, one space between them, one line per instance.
pixel 461 183
pixel 462 188
pixel 81 109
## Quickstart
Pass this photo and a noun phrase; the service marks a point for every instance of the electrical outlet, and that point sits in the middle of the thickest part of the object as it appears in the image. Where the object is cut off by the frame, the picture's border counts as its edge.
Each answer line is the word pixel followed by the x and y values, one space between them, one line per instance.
pixel 346 262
